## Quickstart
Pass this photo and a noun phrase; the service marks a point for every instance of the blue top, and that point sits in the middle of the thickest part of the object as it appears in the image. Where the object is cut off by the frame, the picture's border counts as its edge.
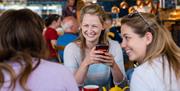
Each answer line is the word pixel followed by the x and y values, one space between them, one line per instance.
pixel 64 40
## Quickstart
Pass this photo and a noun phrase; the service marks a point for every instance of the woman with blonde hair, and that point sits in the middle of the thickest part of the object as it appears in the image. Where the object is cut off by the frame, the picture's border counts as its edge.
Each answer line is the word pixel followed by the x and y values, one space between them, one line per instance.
pixel 22 54
pixel 152 46
pixel 90 65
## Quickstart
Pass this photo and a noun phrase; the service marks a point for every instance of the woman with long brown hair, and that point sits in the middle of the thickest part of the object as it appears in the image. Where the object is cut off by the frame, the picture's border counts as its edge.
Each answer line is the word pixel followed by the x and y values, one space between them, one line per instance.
pixel 152 46
pixel 22 56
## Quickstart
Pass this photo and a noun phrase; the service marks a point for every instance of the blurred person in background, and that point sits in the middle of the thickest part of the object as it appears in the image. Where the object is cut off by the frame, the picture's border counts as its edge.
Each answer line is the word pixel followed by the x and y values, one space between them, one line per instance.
pixel 52 22
pixel 70 8
pixel 70 27
pixel 88 65
pixel 23 52
pixel 114 31
pixel 152 46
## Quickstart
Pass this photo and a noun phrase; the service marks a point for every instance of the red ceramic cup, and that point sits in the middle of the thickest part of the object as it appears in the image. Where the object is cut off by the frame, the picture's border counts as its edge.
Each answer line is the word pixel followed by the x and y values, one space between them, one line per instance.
pixel 91 88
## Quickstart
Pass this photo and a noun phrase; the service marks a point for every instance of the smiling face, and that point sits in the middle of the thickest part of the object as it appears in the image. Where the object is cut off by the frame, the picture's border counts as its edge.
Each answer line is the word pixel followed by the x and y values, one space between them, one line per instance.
pixel 134 45
pixel 91 27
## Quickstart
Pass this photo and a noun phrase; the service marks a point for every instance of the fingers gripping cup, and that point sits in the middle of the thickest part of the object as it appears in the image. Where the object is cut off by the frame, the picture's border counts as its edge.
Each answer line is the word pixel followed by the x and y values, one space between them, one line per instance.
pixel 91 88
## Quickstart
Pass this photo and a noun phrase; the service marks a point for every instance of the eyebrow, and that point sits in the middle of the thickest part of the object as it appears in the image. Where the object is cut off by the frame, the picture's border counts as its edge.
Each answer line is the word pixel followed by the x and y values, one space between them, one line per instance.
pixel 90 24
pixel 124 34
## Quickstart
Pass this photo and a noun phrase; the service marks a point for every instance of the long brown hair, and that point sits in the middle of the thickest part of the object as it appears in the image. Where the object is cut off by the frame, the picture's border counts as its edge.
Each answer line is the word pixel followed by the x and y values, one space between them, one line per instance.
pixel 21 40
pixel 93 9
pixel 162 43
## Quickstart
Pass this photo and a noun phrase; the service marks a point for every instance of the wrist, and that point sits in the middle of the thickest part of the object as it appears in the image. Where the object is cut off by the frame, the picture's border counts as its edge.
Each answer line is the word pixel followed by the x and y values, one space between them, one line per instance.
pixel 120 82
pixel 113 65
pixel 85 63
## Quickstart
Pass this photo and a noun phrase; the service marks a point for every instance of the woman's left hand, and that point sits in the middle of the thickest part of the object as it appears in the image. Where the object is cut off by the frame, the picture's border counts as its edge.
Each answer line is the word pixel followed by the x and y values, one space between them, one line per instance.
pixel 107 59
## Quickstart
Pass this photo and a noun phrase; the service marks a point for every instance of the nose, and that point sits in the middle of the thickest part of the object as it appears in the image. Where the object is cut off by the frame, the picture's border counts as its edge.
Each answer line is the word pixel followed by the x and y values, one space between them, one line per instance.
pixel 89 29
pixel 123 44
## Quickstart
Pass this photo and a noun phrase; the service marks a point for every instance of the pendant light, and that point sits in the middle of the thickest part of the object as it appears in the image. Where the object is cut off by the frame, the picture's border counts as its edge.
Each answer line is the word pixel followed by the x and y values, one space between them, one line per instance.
pixel 123 5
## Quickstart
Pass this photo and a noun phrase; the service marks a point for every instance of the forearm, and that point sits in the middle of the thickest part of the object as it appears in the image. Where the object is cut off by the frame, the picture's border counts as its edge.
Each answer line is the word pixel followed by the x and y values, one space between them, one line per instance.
pixel 81 73
pixel 53 43
pixel 116 73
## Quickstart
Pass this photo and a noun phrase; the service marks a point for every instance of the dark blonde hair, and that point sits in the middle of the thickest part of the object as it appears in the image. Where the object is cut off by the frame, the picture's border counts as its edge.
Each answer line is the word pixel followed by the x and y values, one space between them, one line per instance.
pixel 93 9
pixel 21 40
pixel 162 42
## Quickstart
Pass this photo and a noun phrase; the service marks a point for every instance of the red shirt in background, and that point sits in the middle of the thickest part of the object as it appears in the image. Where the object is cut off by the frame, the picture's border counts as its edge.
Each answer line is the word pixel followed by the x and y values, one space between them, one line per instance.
pixel 51 34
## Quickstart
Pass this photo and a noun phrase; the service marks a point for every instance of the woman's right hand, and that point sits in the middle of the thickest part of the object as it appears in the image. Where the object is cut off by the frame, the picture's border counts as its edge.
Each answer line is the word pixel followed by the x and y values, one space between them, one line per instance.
pixel 93 57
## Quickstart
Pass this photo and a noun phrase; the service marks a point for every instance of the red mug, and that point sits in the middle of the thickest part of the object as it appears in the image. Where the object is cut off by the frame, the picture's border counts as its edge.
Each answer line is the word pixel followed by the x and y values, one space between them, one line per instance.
pixel 91 88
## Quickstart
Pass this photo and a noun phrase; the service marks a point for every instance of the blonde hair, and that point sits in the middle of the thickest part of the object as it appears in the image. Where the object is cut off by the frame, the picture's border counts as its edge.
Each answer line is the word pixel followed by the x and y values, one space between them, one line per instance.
pixel 162 42
pixel 93 9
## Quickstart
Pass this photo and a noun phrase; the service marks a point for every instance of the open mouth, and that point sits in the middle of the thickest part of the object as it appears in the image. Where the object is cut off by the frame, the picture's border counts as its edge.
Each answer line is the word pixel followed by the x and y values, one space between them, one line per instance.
pixel 128 52
pixel 91 35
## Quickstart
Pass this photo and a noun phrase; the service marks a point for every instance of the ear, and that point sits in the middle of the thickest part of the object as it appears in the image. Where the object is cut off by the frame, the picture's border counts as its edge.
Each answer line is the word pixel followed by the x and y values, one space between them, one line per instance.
pixel 148 37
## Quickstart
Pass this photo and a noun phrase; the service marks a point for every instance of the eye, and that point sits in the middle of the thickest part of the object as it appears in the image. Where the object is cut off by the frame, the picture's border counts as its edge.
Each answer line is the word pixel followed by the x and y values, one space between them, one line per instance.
pixel 86 25
pixel 94 26
pixel 127 38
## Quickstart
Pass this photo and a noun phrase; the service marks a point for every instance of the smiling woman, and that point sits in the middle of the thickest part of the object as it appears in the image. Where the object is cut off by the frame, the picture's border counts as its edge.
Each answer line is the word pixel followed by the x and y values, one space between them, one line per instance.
pixel 150 44
pixel 94 24
pixel 87 63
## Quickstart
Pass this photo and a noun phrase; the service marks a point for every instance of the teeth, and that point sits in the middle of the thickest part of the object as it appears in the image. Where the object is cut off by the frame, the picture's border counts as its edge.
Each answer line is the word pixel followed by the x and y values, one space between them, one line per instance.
pixel 90 34
pixel 128 51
